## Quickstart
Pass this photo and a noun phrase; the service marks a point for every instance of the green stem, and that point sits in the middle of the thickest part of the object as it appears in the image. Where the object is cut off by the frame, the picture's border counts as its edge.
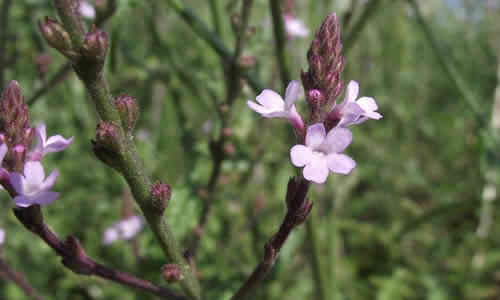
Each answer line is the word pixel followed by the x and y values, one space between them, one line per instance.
pixel 130 164
pixel 355 30
pixel 214 9
pixel 201 29
pixel 318 272
pixel 280 41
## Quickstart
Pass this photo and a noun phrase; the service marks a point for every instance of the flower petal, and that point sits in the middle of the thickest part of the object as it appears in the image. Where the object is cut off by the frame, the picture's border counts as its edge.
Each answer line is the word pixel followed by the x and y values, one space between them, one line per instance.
pixel 367 104
pixel 271 99
pixel 337 140
pixel 351 92
pixel 33 172
pixel 41 135
pixel 315 136
pixel 258 108
pixel 22 201
pixel 316 171
pixel 49 182
pixel 17 181
pixel 300 155
pixel 291 93
pixel 3 152
pixel 340 163
pixel 46 197
pixel 57 143
pixel 110 235
pixel 130 227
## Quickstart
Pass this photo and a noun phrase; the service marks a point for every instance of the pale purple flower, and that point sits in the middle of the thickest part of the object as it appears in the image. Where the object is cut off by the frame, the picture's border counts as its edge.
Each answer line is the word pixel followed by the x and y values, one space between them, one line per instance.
pixel 352 111
pixel 32 187
pixel 322 153
pixel 125 229
pixel 295 27
pixel 4 174
pixel 54 143
pixel 271 105
pixel 2 236
pixel 86 10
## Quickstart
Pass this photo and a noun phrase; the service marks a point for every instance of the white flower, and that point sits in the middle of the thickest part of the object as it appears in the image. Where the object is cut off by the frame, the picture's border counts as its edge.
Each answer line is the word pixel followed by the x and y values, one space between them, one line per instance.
pixel 271 105
pixel 2 236
pixel 295 27
pixel 32 187
pixel 124 230
pixel 323 153
pixel 352 111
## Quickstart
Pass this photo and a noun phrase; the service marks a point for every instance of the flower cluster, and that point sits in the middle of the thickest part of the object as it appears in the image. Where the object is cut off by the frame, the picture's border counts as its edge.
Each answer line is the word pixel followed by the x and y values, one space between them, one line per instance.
pixel 21 170
pixel 321 152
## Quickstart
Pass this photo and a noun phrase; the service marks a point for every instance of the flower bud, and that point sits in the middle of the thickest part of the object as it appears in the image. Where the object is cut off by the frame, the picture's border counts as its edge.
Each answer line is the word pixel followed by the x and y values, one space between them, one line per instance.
pixel 172 273
pixel 106 145
pixel 96 45
pixel 247 61
pixel 326 61
pixel 14 116
pixel 55 34
pixel 161 193
pixel 127 108
pixel 108 135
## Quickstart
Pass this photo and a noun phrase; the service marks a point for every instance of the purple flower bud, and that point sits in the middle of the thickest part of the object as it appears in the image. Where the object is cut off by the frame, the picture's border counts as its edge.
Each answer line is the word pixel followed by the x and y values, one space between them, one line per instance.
pixel 96 45
pixel 326 61
pixel 108 135
pixel 172 273
pixel 55 34
pixel 14 117
pixel 127 108
pixel 161 193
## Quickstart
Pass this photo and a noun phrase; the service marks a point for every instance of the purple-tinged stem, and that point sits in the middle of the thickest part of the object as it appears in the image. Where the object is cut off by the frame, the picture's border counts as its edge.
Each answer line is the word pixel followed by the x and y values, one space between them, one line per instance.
pixel 74 256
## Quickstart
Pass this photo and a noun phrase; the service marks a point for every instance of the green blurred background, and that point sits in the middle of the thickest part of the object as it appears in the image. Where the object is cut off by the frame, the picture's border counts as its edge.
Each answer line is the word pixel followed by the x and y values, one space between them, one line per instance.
pixel 415 220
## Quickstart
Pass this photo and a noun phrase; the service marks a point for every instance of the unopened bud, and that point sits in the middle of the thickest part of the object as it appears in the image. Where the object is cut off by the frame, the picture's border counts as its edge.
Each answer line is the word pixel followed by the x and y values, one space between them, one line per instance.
pixel 172 273
pixel 127 107
pixel 55 34
pixel 96 45
pixel 227 131
pixel 326 61
pixel 247 61
pixel 161 193
pixel 108 135
pixel 14 116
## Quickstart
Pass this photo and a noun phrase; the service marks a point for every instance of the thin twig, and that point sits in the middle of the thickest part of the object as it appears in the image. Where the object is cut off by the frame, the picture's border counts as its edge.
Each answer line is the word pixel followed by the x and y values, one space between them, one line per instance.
pixel 280 41
pixel 19 279
pixel 298 208
pixel 74 256
pixel 233 76
pixel 355 30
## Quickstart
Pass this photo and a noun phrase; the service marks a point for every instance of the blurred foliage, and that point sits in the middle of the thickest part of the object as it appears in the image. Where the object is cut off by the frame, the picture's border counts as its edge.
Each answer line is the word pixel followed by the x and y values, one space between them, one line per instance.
pixel 401 226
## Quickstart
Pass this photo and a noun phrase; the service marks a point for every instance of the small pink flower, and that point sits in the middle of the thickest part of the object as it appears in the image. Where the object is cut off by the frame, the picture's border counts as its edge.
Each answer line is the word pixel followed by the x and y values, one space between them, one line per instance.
pixel 54 143
pixel 123 230
pixel 271 105
pixel 32 187
pixel 295 27
pixel 352 111
pixel 2 236
pixel 322 153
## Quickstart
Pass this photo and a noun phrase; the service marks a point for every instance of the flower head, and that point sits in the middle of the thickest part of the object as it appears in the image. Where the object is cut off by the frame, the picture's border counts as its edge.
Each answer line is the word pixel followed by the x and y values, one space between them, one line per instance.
pixel 322 153
pixel 352 111
pixel 295 27
pixel 86 10
pixel 32 187
pixel 54 143
pixel 123 230
pixel 271 105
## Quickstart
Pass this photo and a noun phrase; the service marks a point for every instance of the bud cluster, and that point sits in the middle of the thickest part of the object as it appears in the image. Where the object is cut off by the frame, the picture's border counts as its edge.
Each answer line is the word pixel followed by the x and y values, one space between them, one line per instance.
pixel 326 63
